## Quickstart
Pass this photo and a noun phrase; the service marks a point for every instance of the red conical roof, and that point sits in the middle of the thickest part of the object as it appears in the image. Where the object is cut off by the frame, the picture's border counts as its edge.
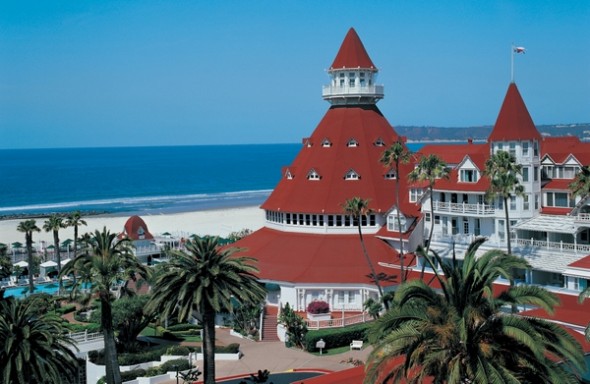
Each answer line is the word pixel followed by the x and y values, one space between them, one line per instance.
pixel 352 53
pixel 514 121
pixel 340 125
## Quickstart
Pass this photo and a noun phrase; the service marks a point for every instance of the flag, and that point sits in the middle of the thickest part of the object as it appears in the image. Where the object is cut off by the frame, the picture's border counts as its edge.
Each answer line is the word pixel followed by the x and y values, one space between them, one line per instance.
pixel 519 49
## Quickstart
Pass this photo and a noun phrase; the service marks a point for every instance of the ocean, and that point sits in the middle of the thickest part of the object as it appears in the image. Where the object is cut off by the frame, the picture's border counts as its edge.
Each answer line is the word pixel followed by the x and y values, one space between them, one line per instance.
pixel 140 179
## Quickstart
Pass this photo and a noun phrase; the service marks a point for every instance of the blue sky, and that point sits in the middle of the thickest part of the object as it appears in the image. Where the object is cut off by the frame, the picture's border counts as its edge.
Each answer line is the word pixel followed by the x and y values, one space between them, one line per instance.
pixel 122 73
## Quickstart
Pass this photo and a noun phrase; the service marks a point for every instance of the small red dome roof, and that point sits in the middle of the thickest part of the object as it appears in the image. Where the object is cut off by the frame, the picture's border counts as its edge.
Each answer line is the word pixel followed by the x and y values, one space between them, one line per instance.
pixel 136 229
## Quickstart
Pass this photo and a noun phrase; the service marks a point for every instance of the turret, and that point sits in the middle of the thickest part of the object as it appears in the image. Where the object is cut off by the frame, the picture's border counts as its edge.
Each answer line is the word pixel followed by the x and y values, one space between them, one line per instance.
pixel 353 75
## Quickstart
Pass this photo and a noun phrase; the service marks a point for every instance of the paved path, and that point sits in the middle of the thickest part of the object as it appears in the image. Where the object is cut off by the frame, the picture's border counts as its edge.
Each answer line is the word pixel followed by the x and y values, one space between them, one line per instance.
pixel 275 357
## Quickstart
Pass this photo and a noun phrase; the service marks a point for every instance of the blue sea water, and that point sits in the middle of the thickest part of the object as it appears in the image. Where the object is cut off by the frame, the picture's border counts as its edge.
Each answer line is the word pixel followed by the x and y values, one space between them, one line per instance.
pixel 140 179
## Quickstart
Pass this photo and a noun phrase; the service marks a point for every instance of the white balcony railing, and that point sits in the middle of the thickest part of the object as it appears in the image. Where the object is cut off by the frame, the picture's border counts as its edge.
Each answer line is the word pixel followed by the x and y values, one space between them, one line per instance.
pixel 338 322
pixel 554 245
pixel 583 218
pixel 367 90
pixel 463 208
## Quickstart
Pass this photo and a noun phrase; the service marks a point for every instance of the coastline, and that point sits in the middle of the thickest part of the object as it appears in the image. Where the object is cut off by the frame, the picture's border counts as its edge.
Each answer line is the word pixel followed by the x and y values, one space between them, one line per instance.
pixel 219 221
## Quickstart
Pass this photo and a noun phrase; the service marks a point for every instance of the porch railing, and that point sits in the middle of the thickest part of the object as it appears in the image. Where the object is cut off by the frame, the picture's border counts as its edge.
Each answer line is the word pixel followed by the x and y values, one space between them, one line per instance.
pixel 583 217
pixel 338 322
pixel 554 245
pixel 464 208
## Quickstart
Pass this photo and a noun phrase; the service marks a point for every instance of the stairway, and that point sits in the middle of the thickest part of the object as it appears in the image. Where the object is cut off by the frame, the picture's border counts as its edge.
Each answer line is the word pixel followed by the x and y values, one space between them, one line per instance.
pixel 269 327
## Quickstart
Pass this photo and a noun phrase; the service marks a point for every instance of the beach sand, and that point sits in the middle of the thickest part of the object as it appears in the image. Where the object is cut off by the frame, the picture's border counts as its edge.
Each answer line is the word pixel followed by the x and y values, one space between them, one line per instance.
pixel 218 222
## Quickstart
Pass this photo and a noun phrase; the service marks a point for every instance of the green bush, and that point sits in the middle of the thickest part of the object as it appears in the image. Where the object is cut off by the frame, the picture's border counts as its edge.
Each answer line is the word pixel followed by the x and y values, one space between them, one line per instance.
pixel 335 337
pixel 90 327
pixel 178 350
pixel 173 365
pixel 142 357
pixel 132 375
pixel 167 335
pixel 66 309
pixel 183 327
pixel 231 348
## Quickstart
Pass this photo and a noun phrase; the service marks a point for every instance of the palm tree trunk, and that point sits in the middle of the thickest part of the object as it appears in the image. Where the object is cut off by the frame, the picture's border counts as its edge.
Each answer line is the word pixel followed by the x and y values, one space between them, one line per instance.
pixel 209 346
pixel 113 373
pixel 29 241
pixel 75 249
pixel 399 224
pixel 431 219
pixel 58 254
pixel 508 245
pixel 371 264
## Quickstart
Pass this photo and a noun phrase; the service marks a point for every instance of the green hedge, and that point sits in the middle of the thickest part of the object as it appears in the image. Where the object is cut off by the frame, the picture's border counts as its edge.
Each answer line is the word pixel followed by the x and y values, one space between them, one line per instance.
pixel 183 327
pixel 97 357
pixel 180 350
pixel 90 327
pixel 231 348
pixel 66 309
pixel 335 337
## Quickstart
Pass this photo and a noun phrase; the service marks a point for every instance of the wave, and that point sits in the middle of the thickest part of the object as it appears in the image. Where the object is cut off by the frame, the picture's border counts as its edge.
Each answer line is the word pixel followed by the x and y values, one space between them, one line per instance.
pixel 167 203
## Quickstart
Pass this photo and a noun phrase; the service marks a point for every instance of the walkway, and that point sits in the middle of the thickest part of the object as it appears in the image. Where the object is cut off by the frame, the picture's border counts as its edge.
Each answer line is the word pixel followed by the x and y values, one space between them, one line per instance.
pixel 275 357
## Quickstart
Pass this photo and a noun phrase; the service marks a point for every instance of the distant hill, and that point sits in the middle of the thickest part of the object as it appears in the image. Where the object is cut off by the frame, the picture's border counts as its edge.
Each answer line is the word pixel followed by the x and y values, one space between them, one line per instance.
pixel 481 133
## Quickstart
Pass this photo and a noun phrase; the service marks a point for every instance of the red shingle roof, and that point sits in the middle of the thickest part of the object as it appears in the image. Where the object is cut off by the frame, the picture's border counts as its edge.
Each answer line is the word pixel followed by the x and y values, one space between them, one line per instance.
pixel 317 258
pixel 352 53
pixel 365 124
pixel 514 121
pixel 136 229
pixel 581 263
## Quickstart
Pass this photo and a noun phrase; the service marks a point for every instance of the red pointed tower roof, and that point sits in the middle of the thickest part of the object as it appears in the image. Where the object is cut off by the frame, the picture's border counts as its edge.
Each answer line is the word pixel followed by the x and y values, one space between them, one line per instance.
pixel 352 53
pixel 136 229
pixel 514 121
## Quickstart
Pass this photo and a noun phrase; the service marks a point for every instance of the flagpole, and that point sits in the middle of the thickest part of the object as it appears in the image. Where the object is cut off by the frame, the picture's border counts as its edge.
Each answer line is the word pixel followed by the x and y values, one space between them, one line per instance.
pixel 512 63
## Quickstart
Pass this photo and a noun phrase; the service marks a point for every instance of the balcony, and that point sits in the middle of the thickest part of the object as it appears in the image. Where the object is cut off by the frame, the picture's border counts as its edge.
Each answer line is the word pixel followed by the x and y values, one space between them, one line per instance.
pixel 373 91
pixel 560 246
pixel 582 218
pixel 463 208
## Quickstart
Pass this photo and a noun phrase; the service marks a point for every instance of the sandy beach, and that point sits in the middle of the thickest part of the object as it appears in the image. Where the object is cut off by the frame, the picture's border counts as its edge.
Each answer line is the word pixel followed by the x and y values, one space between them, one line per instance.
pixel 219 222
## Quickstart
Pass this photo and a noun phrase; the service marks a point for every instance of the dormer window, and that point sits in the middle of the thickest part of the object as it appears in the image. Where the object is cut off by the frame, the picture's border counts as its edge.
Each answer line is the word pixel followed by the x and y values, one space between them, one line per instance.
pixel 379 142
pixel 352 143
pixel 313 175
pixel 326 143
pixel 390 175
pixel 351 175
pixel 288 175
pixel 468 176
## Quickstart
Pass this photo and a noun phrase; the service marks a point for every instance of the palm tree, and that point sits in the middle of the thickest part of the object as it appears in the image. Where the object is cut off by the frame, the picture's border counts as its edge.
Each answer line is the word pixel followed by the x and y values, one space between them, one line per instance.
pixel 204 282
pixel 359 208
pixel 502 170
pixel 75 220
pixel 394 156
pixel 54 224
pixel 429 169
pixel 34 347
pixel 460 335
pixel 28 227
pixel 580 186
pixel 109 262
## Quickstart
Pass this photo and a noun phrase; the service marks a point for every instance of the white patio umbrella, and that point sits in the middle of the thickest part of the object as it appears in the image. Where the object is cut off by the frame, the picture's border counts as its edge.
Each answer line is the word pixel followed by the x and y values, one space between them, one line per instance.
pixel 22 264
pixel 65 261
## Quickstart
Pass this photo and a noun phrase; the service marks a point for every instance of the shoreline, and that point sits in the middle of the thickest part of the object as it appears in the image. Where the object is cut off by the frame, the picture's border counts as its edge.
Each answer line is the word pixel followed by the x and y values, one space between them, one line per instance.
pixel 215 221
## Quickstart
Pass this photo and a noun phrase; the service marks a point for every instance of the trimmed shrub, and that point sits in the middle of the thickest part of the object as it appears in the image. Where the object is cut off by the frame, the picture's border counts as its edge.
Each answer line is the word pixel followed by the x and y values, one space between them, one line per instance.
pixel 318 306
pixel 183 327
pixel 90 327
pixel 173 365
pixel 335 337
pixel 132 375
pixel 230 348
pixel 66 309
pixel 178 350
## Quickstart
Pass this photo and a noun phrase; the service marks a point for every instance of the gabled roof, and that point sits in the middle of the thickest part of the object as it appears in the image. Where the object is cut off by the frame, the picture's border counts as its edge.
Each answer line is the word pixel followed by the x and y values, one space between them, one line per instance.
pixel 317 258
pixel 365 124
pixel 514 121
pixel 455 154
pixel 352 54
pixel 584 263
